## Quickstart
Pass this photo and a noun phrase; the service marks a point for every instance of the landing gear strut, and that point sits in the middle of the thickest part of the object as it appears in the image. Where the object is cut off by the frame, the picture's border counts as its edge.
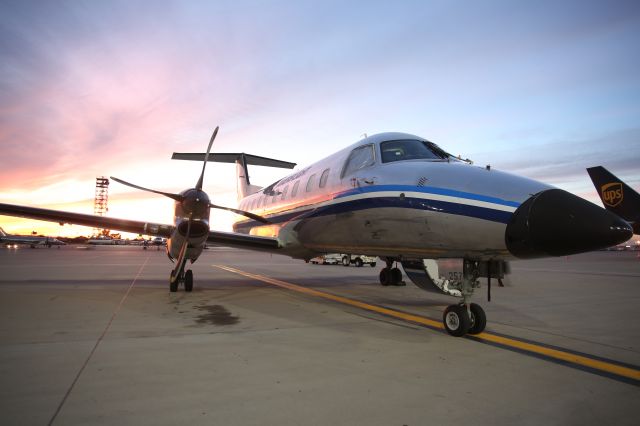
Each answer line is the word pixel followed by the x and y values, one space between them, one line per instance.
pixel 391 276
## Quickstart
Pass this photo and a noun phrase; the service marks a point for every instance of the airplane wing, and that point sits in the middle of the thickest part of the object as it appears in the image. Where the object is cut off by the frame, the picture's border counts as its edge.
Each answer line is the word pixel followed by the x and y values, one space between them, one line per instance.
pixel 251 242
pixel 126 225
pixel 218 238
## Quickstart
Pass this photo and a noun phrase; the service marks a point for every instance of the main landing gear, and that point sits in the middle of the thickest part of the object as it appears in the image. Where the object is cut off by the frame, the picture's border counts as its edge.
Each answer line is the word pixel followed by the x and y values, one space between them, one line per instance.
pixel 178 276
pixel 186 278
pixel 391 276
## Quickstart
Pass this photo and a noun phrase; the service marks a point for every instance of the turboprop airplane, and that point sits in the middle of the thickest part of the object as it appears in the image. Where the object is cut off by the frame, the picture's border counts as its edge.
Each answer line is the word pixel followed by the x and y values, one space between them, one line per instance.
pixel 32 241
pixel 393 195
pixel 617 196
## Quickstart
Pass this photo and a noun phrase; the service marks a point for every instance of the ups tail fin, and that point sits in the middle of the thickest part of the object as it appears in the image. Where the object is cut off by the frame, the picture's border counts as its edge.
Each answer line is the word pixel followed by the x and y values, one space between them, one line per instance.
pixel 617 196
pixel 242 161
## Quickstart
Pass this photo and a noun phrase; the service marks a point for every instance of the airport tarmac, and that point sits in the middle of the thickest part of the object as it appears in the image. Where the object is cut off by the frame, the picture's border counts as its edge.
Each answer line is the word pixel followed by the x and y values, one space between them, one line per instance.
pixel 93 336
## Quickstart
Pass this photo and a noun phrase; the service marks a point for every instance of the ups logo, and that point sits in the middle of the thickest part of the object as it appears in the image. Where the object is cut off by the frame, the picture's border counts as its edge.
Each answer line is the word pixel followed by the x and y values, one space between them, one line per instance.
pixel 612 194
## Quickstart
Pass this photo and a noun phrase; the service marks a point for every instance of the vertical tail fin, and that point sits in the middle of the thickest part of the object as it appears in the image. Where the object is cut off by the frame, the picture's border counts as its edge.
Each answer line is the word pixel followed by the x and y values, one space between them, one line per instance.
pixel 617 196
pixel 243 186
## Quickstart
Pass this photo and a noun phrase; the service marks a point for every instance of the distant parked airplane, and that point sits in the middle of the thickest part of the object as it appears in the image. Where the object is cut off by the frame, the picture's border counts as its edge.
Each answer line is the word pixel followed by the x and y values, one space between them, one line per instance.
pixel 32 241
pixel 617 196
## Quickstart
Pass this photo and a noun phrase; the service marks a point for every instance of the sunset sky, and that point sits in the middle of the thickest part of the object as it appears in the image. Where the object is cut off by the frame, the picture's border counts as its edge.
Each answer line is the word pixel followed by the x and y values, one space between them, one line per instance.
pixel 543 89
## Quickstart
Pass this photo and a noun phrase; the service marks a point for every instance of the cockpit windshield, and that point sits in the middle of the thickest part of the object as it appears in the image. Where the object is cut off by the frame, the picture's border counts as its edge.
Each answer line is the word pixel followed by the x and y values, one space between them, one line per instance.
pixel 411 149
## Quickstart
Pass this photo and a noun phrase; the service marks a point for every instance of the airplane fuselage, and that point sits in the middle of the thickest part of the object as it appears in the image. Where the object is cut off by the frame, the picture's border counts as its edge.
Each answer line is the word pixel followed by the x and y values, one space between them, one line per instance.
pixel 392 206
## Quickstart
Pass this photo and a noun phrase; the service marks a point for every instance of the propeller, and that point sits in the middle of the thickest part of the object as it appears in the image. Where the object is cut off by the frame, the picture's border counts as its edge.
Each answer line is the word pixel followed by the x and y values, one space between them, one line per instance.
pixel 176 197
pixel 180 198
pixel 206 158
pixel 242 213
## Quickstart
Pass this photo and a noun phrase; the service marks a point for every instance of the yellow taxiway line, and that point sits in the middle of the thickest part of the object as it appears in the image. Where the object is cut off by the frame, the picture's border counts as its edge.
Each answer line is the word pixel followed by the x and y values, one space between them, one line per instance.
pixel 554 354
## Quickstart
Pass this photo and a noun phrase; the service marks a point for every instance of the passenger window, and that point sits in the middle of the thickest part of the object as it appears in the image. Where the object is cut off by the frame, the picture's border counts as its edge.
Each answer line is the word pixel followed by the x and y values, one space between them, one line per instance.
pixel 294 191
pixel 359 158
pixel 323 178
pixel 311 182
pixel 284 192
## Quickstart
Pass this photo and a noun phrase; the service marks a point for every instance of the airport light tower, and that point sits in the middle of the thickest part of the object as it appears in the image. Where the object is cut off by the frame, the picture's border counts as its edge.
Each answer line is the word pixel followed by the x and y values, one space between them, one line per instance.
pixel 100 201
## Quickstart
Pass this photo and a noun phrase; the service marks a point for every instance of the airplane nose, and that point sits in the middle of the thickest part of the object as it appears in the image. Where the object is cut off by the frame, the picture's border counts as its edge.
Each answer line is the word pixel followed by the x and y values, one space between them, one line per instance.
pixel 557 223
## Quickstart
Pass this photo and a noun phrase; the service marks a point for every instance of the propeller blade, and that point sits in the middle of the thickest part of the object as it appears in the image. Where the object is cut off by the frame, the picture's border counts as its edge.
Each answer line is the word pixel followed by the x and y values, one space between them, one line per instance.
pixel 176 197
pixel 242 213
pixel 206 158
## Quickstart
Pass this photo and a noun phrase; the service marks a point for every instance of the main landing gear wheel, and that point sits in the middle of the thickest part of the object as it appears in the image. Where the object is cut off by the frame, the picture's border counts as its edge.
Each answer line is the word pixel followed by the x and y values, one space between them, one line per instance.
pixel 391 276
pixel 188 281
pixel 173 284
pixel 456 320
pixel 478 319
pixel 385 276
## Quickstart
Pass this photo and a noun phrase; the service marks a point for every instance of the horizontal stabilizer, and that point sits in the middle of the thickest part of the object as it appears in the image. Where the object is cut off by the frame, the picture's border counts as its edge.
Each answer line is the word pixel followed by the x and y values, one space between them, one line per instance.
pixel 253 160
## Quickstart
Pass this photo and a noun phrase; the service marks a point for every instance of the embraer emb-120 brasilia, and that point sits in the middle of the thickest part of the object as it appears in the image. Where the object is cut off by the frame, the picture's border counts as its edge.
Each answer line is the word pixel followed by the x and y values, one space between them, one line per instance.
pixel 392 195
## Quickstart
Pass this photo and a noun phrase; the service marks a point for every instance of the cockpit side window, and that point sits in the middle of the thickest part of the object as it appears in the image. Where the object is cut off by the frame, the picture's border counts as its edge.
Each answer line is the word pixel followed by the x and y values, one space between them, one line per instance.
pixel 361 157
pixel 411 149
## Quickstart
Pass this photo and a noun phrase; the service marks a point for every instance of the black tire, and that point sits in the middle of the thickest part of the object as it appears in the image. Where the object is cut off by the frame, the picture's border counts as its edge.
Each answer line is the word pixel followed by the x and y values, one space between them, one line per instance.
pixel 478 320
pixel 456 320
pixel 173 284
pixel 373 264
pixel 346 261
pixel 188 281
pixel 359 262
pixel 396 276
pixel 385 277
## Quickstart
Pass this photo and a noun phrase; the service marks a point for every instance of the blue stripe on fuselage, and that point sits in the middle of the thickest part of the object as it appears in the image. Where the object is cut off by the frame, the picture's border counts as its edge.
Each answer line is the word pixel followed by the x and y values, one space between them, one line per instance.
pixel 378 202
pixel 428 190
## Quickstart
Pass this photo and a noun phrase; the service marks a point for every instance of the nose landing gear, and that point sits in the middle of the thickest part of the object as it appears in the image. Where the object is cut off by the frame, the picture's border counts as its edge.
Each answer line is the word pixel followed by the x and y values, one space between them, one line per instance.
pixel 466 318
pixel 460 320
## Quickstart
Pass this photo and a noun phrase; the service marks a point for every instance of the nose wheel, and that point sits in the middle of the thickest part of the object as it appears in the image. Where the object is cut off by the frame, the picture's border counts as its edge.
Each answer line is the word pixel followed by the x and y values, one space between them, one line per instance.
pixel 460 320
